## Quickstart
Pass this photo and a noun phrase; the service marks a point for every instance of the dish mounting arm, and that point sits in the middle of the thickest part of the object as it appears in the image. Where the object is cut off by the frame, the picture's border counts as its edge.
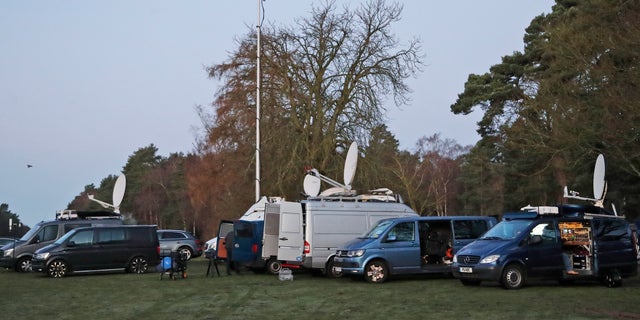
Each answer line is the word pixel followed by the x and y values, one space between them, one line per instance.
pixel 314 172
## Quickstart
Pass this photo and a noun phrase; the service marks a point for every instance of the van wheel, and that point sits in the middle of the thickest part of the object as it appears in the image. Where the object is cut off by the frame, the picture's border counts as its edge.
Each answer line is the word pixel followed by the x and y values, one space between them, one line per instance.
pixel 330 272
pixel 138 265
pixel 513 277
pixel 186 251
pixel 57 269
pixel 274 266
pixel 24 264
pixel 376 271
pixel 612 279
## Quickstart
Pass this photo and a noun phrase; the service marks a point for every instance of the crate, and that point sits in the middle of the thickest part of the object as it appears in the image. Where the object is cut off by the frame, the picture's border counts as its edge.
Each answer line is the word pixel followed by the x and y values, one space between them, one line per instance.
pixel 285 274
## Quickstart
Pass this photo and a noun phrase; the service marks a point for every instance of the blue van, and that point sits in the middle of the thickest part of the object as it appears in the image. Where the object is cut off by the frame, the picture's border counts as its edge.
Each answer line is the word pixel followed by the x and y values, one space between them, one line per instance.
pixel 247 243
pixel 409 245
pixel 563 243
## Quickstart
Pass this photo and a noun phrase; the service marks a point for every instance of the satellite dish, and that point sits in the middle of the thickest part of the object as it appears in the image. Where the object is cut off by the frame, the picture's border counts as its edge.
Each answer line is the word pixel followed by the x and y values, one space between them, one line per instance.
pixel 311 185
pixel 118 191
pixel 598 178
pixel 350 164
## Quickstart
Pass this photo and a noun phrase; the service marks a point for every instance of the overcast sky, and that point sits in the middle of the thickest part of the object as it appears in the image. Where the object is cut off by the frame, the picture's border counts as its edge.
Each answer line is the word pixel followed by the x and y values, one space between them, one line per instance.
pixel 84 84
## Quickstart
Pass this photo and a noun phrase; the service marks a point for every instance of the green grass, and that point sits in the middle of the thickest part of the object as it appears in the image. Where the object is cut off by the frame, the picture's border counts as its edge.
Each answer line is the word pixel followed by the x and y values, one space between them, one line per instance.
pixel 261 296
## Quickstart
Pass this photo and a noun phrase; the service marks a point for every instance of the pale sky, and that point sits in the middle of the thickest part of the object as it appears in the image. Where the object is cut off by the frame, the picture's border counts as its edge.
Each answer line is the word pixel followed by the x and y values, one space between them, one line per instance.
pixel 84 84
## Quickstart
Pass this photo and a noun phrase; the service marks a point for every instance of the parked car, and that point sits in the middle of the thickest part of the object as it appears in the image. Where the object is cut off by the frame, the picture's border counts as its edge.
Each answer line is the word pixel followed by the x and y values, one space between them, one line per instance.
pixel 98 249
pixel 180 241
pixel 210 248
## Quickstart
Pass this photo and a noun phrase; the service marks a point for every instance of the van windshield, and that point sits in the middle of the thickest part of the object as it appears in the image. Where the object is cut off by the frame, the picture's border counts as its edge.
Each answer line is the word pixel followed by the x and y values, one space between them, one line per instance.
pixel 506 230
pixel 377 230
pixel 31 232
pixel 65 237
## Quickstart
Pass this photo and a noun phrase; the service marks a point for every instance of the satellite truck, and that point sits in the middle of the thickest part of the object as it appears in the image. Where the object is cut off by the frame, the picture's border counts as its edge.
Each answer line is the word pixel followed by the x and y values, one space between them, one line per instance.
pixel 19 254
pixel 565 242
pixel 306 234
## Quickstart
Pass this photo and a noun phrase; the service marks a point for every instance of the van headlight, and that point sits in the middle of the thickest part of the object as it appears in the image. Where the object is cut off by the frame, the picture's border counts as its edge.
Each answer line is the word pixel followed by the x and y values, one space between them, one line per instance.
pixel 355 253
pixel 42 256
pixel 490 259
pixel 8 252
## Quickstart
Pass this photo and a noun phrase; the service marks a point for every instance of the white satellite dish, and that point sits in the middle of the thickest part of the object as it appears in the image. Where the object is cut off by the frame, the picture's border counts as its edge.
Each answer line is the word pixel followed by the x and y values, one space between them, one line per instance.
pixel 599 185
pixel 350 164
pixel 118 191
pixel 118 194
pixel 598 178
pixel 311 185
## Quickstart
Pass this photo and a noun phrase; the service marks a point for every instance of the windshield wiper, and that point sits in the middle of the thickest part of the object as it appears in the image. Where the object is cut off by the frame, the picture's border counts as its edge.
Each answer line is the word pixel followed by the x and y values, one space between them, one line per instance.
pixel 491 238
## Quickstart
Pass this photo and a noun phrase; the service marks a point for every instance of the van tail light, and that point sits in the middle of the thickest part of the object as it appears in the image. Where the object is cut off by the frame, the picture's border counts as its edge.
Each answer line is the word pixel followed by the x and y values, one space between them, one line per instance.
pixel 158 249
pixel 254 248
pixel 307 247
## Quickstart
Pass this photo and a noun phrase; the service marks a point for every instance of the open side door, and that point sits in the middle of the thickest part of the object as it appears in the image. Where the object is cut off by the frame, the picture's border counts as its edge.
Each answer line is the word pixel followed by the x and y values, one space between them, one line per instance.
pixel 291 232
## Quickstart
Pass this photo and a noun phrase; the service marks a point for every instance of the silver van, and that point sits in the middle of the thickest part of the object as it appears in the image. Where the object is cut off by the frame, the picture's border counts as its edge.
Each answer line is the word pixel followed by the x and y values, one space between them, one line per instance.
pixel 409 245
pixel 19 254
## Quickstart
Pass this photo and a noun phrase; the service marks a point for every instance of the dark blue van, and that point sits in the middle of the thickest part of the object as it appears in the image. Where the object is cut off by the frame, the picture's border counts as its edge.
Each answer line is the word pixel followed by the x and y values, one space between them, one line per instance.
pixel 247 243
pixel 564 243
pixel 409 245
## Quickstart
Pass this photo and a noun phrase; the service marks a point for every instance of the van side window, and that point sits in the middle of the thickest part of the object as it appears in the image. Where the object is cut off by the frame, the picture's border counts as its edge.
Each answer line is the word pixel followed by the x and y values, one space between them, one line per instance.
pixel 110 235
pixel 610 229
pixel 469 229
pixel 403 231
pixel 244 231
pixel 82 238
pixel 47 233
pixel 546 231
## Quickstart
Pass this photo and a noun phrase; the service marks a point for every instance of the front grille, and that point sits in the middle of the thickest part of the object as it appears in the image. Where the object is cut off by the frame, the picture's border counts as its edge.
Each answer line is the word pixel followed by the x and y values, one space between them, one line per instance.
pixel 468 260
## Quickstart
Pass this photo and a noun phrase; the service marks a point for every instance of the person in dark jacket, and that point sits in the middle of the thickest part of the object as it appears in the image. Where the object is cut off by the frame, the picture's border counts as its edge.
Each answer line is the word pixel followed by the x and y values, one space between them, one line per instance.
pixel 228 245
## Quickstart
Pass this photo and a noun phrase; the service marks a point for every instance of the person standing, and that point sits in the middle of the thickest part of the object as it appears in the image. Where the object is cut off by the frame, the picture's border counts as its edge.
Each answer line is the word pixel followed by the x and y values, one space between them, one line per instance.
pixel 228 245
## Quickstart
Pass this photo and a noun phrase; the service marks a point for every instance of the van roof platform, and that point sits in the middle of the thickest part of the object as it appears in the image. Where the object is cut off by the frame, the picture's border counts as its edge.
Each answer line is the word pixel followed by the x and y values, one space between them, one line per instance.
pixel 78 214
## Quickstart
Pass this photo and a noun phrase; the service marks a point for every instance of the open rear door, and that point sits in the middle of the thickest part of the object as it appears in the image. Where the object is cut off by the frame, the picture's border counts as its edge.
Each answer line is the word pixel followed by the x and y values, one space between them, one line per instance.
pixel 225 227
pixel 291 233
pixel 271 233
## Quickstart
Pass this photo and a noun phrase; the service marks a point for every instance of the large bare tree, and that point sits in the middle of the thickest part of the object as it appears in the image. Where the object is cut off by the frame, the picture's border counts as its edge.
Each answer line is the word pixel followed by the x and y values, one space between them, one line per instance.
pixel 323 85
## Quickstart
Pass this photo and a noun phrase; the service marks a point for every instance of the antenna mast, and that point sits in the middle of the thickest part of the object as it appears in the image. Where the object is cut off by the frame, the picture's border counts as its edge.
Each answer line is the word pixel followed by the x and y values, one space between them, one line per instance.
pixel 258 104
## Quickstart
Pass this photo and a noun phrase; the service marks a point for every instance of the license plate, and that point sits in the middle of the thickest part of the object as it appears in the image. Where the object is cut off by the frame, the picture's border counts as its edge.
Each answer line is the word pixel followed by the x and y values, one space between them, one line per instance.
pixel 466 270
pixel 337 269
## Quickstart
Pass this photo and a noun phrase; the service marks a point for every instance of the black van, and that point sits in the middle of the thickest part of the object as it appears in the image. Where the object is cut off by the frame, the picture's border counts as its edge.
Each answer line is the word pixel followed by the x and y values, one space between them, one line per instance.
pixel 115 248
pixel 17 255
pixel 564 243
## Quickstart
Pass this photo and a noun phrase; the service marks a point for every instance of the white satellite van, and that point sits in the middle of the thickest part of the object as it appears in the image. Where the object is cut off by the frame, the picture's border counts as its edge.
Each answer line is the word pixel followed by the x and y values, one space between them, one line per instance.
pixel 308 233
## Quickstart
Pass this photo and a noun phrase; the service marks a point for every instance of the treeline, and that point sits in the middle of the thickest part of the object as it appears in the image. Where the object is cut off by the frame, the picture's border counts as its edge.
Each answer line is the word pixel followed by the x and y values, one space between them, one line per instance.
pixel 548 112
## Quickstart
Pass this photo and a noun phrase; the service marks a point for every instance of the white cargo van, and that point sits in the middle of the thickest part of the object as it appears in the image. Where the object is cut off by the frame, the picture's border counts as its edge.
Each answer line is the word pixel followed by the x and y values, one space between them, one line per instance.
pixel 308 233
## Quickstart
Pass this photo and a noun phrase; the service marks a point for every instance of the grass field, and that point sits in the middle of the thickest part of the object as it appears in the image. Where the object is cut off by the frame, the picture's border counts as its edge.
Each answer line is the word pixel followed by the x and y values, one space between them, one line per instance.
pixel 262 296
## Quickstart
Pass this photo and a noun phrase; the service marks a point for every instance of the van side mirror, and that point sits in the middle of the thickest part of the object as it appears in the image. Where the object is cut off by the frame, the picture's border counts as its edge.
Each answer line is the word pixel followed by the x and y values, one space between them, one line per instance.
pixel 535 239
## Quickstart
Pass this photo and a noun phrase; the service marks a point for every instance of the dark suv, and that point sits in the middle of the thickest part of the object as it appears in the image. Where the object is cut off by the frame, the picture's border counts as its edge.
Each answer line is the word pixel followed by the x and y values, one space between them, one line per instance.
pixel 180 241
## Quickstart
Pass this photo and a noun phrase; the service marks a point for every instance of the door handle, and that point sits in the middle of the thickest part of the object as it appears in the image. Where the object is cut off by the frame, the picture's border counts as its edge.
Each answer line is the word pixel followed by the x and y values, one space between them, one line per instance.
pixel 283 239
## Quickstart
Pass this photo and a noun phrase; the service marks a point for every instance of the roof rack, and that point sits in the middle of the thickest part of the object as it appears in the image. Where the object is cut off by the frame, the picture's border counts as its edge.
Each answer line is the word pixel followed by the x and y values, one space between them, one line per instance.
pixel 75 214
